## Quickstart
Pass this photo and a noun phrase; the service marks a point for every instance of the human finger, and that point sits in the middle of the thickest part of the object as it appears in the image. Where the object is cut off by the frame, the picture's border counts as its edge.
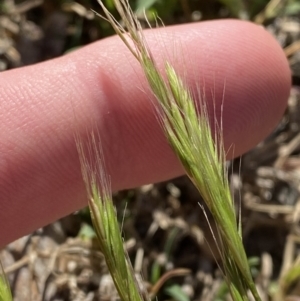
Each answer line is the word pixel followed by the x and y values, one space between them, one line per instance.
pixel 101 86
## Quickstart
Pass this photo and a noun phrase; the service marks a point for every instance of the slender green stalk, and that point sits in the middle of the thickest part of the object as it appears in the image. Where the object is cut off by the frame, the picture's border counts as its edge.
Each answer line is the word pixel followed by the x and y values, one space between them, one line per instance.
pixel 201 152
pixel 105 221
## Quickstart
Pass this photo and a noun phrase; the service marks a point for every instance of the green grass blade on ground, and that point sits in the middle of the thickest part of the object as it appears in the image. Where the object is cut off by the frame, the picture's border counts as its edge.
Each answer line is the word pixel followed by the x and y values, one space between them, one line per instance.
pixel 5 292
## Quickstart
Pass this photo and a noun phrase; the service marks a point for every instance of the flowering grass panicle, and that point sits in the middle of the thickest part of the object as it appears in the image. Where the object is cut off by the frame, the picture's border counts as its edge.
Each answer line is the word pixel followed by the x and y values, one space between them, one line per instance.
pixel 105 221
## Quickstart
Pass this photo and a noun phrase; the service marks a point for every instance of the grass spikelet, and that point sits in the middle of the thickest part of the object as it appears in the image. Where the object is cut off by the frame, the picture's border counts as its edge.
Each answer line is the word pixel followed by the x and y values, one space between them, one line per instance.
pixel 200 151
pixel 105 221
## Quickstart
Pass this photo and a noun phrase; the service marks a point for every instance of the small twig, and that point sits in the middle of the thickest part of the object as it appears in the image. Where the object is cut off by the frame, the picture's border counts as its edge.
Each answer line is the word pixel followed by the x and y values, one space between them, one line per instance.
pixel 292 49
pixel 17 265
pixel 287 150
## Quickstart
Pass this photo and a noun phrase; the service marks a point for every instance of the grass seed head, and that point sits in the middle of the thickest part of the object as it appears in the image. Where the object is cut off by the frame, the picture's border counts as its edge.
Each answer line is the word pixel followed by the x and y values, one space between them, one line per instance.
pixel 201 152
pixel 105 221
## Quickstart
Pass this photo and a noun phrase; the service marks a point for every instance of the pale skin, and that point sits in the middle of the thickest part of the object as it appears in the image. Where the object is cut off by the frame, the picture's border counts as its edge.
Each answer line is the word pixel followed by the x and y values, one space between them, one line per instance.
pixel 101 87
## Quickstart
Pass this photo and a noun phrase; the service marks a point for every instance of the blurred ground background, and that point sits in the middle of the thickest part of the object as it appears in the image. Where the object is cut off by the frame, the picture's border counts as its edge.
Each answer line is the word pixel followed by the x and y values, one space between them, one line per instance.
pixel 165 234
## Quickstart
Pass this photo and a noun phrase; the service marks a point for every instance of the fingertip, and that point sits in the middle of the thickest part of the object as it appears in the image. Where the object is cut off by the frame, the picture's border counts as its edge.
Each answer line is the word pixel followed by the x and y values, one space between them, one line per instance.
pixel 260 97
pixel 248 72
